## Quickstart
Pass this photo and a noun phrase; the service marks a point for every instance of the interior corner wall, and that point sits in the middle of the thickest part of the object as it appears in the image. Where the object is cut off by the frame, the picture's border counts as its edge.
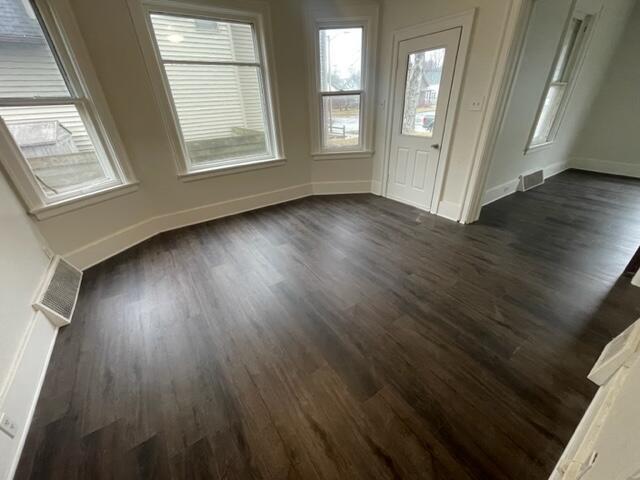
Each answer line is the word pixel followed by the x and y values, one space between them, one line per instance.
pixel 488 30
pixel 541 43
pixel 113 47
pixel 608 140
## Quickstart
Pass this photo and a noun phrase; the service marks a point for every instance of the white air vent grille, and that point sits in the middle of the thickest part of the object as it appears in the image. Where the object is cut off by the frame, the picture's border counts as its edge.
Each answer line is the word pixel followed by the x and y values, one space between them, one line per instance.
pixel 57 298
pixel 530 180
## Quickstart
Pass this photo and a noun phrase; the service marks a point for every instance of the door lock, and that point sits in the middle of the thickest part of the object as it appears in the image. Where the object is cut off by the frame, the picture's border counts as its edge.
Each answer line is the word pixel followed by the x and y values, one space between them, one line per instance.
pixel 436 146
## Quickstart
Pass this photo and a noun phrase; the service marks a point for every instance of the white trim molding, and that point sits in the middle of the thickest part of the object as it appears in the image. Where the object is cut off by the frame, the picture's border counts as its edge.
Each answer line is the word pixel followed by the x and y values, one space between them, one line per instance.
pixel 605 166
pixel 465 21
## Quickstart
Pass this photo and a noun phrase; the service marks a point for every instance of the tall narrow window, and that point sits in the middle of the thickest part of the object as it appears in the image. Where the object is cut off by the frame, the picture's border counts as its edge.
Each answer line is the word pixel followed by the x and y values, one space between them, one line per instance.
pixel 562 77
pixel 340 71
pixel 217 85
pixel 47 128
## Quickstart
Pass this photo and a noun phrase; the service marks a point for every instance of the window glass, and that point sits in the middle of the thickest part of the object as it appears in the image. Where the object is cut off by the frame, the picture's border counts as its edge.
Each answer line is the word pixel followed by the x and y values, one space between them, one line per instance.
pixel 203 40
pixel 340 52
pixel 424 71
pixel 27 66
pixel 341 114
pixel 216 85
pixel 57 148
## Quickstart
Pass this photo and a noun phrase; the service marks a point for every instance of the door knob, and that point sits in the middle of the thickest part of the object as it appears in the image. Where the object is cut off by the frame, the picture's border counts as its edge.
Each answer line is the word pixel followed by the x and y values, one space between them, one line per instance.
pixel 436 146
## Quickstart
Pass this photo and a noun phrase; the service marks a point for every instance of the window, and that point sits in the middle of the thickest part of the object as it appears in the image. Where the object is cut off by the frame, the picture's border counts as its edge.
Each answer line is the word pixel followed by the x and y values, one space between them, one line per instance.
pixel 51 144
pixel 216 82
pixel 341 105
pixel 562 77
pixel 340 58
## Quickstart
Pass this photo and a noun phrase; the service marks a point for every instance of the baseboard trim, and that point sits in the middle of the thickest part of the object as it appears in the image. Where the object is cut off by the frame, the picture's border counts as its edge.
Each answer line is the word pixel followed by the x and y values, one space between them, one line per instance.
pixel 605 166
pixel 376 187
pixel 505 189
pixel 106 247
pixel 500 191
pixel 24 387
pixel 336 188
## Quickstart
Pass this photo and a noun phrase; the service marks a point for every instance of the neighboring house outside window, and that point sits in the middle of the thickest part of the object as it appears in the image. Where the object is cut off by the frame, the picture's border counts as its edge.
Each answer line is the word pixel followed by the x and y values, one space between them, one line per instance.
pixel 61 154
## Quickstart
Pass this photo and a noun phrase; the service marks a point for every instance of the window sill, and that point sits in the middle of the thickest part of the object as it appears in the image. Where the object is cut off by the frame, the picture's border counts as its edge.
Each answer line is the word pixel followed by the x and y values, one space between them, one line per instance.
pixel 342 155
pixel 65 206
pixel 231 169
pixel 542 146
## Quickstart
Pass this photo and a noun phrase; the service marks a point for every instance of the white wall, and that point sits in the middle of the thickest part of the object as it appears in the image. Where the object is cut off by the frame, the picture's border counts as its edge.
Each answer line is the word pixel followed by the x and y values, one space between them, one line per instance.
pixel 22 264
pixel 26 338
pixel 484 49
pixel 544 34
pixel 608 140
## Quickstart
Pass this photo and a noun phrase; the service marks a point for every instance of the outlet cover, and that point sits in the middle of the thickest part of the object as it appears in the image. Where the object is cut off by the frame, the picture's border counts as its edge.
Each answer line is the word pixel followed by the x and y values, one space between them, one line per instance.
pixel 7 425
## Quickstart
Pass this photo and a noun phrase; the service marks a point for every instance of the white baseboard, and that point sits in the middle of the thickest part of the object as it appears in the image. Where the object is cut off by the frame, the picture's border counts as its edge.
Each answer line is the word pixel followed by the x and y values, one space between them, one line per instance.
pixel 95 252
pixel 449 210
pixel 605 166
pixel 333 188
pixel 27 376
pixel 500 191
pixel 507 188
pixel 376 187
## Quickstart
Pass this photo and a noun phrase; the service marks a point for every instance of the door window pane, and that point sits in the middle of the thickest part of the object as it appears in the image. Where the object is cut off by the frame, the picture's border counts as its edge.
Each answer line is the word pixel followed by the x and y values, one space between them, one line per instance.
pixel 340 59
pixel 424 71
pixel 341 121
pixel 28 68
pixel 220 111
pixel 57 147
pixel 203 40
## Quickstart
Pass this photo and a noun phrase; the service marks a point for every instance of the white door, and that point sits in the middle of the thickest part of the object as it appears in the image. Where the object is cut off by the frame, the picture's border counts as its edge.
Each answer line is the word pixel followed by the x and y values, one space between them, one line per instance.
pixel 423 86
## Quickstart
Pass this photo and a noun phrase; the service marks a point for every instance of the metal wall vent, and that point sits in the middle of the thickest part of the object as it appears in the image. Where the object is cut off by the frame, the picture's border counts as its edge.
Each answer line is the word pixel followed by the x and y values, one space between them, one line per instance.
pixel 59 293
pixel 530 180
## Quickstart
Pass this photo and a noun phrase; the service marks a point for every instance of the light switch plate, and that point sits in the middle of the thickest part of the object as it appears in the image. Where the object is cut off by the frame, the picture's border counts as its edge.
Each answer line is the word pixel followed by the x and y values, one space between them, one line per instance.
pixel 7 425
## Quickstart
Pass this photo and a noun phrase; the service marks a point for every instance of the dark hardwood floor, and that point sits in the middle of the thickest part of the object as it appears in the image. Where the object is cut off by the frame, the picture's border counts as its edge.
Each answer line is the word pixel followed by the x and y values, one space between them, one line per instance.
pixel 344 337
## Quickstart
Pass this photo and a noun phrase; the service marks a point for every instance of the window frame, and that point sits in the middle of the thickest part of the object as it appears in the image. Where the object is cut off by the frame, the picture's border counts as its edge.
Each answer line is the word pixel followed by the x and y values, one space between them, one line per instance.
pixel 85 94
pixel 573 66
pixel 365 17
pixel 257 16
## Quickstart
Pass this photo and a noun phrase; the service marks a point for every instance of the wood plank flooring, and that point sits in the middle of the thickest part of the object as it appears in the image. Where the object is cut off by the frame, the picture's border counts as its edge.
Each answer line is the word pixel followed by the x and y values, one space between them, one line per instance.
pixel 344 337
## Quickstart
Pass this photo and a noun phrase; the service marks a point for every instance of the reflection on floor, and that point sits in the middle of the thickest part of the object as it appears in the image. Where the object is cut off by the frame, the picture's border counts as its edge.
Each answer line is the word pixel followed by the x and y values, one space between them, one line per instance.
pixel 344 337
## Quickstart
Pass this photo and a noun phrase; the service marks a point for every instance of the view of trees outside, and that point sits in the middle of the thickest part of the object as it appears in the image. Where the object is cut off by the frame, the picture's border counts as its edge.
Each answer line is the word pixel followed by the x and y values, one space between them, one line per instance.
pixel 341 70
pixel 424 72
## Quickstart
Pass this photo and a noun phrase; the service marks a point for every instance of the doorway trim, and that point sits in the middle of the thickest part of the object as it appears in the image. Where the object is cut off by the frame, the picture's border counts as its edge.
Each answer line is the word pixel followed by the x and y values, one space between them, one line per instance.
pixel 465 21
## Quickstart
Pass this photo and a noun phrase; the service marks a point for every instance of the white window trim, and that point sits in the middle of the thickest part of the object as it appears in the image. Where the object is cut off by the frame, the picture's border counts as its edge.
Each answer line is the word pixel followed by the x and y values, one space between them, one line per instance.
pixel 365 17
pixel 570 83
pixel 70 50
pixel 253 12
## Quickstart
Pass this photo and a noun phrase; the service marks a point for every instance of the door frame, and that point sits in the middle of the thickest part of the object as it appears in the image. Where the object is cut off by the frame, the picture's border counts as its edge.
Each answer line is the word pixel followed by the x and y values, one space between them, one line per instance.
pixel 465 21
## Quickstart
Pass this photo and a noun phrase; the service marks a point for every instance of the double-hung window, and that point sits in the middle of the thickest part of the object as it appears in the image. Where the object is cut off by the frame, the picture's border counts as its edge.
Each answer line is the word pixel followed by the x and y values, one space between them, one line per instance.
pixel 563 75
pixel 342 84
pixel 52 142
pixel 215 87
